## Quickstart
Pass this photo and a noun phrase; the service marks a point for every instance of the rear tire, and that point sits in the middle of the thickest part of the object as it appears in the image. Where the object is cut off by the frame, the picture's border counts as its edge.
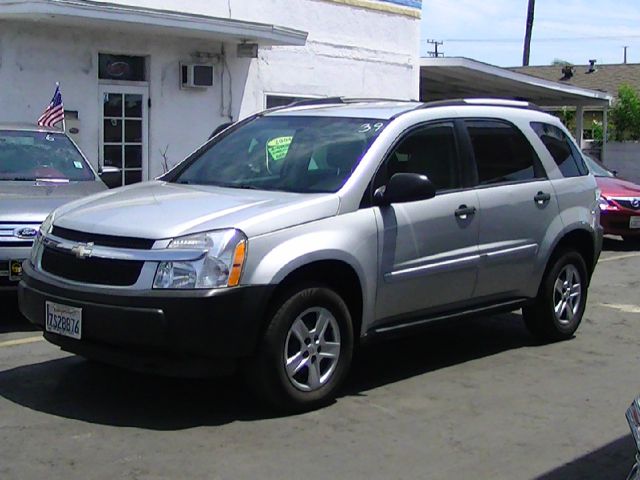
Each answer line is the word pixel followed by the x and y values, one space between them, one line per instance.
pixel 562 298
pixel 306 350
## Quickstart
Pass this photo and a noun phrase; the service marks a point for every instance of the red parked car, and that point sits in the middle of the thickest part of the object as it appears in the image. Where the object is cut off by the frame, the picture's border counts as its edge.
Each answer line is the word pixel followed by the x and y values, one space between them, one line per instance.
pixel 619 204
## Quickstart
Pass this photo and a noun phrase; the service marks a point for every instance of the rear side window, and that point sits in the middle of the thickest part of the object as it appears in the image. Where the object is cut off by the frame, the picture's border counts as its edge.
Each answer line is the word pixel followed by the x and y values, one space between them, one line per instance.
pixel 562 150
pixel 502 153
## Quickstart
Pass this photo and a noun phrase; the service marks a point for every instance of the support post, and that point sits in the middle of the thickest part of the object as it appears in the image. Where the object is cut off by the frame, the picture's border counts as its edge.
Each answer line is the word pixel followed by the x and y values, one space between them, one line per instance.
pixel 605 134
pixel 579 125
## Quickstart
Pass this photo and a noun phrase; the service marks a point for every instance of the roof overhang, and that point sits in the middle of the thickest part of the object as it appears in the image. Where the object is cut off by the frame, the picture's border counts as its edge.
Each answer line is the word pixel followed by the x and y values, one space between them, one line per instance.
pixel 456 77
pixel 90 14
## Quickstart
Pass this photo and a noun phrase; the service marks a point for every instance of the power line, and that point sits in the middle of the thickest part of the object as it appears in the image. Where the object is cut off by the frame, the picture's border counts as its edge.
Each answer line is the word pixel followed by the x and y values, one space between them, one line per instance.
pixel 538 40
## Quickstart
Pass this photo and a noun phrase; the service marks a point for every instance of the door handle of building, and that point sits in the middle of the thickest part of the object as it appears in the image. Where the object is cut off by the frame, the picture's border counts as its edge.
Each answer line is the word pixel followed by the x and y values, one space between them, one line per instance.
pixel 463 212
pixel 541 198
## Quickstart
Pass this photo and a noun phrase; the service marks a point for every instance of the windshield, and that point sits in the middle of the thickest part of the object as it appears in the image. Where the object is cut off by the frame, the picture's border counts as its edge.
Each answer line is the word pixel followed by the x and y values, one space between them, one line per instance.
pixel 291 154
pixel 30 156
pixel 597 169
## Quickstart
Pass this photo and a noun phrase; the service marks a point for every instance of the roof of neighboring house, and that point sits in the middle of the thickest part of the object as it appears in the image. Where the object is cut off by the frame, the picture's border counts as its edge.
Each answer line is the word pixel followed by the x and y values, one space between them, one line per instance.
pixel 606 78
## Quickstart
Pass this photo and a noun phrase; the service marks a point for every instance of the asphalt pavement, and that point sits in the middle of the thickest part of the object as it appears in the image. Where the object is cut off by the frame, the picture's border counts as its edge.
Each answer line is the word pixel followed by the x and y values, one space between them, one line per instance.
pixel 474 399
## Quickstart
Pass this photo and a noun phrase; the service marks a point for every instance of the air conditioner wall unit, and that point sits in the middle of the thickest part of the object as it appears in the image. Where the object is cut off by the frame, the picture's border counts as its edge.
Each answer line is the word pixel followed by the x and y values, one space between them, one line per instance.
pixel 196 75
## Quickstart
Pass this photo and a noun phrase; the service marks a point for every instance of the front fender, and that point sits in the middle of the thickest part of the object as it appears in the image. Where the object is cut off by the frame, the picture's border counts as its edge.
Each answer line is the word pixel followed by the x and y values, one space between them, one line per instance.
pixel 350 238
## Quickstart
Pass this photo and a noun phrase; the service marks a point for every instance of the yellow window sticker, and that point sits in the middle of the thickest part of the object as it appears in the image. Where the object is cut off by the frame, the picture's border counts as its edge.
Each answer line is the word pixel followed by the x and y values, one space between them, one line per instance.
pixel 278 147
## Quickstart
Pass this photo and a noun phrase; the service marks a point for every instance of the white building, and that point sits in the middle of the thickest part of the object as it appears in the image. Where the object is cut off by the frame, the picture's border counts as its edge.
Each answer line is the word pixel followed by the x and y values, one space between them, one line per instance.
pixel 121 63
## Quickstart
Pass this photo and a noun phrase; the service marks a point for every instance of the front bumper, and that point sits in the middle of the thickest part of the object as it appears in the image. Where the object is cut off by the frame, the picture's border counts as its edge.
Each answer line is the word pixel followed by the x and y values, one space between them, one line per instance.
pixel 8 255
pixel 617 223
pixel 190 333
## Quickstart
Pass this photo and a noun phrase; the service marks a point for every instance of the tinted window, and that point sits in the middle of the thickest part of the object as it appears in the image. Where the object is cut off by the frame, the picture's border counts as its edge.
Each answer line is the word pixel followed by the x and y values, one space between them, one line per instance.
pixel 288 153
pixel 566 156
pixel 502 153
pixel 282 101
pixel 28 156
pixel 429 151
pixel 121 67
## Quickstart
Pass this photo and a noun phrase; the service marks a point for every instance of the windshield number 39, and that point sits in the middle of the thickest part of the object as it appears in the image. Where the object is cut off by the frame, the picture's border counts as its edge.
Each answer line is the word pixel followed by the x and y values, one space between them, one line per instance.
pixel 368 127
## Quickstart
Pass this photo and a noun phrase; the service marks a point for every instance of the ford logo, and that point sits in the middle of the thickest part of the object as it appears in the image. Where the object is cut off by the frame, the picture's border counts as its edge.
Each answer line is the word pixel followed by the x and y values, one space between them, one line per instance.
pixel 635 203
pixel 26 233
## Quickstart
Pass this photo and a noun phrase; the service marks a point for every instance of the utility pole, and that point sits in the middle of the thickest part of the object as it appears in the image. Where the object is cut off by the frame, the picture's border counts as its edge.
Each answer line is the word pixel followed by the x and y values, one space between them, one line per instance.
pixel 528 33
pixel 435 53
pixel 625 54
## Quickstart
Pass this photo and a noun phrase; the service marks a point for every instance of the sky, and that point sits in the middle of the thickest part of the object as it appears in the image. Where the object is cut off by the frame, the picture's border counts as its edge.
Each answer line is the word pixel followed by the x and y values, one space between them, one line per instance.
pixel 492 31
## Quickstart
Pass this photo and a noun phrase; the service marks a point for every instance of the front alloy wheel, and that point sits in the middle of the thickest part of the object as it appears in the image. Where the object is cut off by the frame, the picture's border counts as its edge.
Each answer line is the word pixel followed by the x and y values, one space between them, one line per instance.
pixel 312 349
pixel 306 350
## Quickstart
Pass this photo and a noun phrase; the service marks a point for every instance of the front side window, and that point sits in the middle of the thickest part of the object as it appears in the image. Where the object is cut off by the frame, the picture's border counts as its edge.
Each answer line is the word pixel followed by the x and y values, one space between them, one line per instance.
pixel 286 153
pixel 502 153
pixel 566 156
pixel 429 151
pixel 30 156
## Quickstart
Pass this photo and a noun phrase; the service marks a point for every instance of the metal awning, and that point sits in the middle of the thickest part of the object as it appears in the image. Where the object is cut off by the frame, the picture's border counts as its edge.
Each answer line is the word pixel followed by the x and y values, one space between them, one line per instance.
pixel 89 14
pixel 456 77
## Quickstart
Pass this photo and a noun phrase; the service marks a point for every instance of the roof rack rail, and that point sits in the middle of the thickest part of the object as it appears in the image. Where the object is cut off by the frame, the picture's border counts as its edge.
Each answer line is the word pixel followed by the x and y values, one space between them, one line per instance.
pixel 483 102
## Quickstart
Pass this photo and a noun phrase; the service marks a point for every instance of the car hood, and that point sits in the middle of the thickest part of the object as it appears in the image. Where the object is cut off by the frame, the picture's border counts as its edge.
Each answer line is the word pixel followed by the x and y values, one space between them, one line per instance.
pixel 31 202
pixel 618 187
pixel 159 210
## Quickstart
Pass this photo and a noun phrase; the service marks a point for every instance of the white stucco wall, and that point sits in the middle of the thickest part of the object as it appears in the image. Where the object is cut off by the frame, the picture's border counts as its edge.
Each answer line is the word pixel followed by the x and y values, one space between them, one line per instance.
pixel 350 52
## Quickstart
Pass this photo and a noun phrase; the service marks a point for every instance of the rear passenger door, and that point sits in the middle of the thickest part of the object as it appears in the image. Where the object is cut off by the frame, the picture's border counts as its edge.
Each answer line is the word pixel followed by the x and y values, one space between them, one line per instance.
pixel 429 247
pixel 517 205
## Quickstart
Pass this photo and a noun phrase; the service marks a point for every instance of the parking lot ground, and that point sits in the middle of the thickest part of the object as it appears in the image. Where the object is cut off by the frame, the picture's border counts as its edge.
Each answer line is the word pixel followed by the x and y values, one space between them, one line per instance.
pixel 475 399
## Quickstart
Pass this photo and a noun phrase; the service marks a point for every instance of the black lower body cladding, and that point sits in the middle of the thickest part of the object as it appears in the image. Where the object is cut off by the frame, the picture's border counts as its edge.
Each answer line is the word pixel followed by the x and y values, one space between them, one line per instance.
pixel 159 330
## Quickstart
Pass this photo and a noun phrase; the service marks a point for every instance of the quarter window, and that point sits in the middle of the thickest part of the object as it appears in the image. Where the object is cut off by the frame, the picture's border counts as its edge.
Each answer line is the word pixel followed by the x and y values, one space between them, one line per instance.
pixel 562 150
pixel 429 151
pixel 502 153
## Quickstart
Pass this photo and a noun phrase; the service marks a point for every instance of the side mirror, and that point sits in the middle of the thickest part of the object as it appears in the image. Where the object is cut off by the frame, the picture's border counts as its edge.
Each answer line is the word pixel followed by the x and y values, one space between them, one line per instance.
pixel 403 188
pixel 111 176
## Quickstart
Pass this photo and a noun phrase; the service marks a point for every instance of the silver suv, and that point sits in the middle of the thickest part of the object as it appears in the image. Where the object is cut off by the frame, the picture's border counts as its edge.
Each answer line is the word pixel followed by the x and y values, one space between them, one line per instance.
pixel 300 232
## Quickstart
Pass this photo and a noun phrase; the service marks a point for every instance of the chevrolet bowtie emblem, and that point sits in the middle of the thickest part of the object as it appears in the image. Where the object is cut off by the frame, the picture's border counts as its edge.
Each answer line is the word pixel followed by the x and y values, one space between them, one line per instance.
pixel 83 250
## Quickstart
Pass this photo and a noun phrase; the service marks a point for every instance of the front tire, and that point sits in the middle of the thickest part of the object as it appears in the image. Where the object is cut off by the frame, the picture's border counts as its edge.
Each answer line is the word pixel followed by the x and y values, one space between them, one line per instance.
pixel 306 351
pixel 561 301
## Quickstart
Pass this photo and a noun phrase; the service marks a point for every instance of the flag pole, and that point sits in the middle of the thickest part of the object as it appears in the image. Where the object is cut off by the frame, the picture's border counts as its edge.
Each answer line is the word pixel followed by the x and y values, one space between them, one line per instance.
pixel 64 121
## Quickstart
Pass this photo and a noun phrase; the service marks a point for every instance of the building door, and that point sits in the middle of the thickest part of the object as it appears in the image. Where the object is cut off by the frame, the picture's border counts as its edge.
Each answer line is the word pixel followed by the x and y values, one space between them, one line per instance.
pixel 124 131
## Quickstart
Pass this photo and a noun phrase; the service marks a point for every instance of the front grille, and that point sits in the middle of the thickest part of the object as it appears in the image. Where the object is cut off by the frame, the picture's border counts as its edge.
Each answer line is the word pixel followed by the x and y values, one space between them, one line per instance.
pixel 103 240
pixel 4 268
pixel 97 271
pixel 627 204
pixel 17 243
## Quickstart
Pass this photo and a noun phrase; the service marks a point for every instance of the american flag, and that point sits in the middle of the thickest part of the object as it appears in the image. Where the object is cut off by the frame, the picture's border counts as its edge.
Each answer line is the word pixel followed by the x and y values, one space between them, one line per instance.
pixel 54 113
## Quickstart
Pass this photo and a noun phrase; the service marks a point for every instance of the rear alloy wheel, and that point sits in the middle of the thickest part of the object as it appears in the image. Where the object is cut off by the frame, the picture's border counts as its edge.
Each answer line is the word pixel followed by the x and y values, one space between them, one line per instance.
pixel 306 350
pixel 559 307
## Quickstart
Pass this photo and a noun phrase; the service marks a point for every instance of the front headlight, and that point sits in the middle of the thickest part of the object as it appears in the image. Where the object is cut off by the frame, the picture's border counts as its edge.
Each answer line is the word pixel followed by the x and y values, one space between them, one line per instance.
pixel 633 417
pixel 605 204
pixel 221 266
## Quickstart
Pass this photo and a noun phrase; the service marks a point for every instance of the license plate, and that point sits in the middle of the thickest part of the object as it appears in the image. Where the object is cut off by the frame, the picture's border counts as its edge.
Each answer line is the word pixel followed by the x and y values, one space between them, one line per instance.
pixel 63 320
pixel 15 270
pixel 634 222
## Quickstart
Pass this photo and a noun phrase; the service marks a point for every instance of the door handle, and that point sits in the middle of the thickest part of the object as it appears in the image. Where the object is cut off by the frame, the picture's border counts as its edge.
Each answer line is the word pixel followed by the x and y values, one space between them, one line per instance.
pixel 463 212
pixel 541 198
